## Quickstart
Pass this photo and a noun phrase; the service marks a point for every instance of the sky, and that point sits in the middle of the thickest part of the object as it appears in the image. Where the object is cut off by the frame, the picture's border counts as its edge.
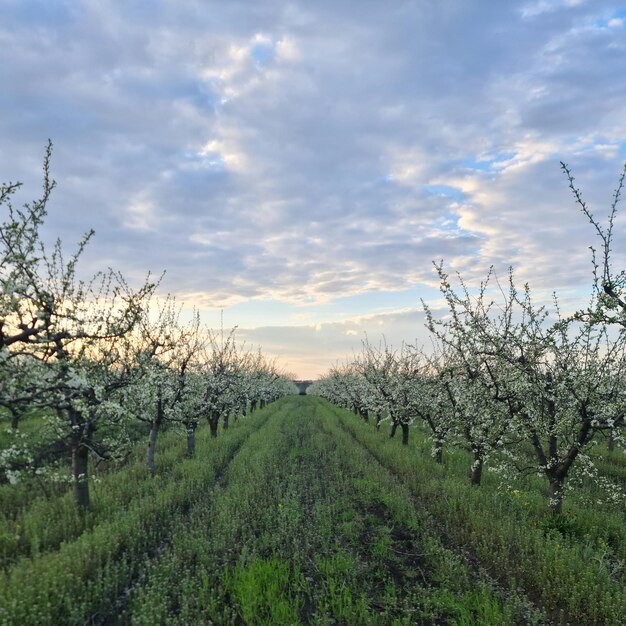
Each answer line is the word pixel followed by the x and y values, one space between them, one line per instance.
pixel 297 166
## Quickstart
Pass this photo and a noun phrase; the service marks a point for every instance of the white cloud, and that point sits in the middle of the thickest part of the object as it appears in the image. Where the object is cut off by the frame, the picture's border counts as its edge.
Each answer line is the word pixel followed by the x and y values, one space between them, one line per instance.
pixel 310 350
pixel 304 152
pixel 141 216
pixel 539 7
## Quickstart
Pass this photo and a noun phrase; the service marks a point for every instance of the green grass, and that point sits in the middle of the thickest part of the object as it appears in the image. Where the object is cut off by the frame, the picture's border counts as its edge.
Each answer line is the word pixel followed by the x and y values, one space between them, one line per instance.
pixel 82 570
pixel 305 530
pixel 571 566
pixel 303 514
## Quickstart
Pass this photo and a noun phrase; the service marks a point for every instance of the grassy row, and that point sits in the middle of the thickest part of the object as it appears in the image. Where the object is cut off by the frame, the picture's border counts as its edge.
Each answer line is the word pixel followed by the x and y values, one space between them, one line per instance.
pixel 464 591
pixel 32 524
pixel 570 565
pixel 134 517
pixel 305 529
pixel 15 499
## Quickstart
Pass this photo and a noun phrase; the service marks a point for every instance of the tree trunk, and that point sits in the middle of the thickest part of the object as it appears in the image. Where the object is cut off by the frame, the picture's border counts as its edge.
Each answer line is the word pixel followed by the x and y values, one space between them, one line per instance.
pixel 225 422
pixel 252 406
pixel 262 404
pixel 379 418
pixel 213 426
pixel 152 438
pixel 392 432
pixel 555 494
pixel 610 444
pixel 365 414
pixel 405 434
pixel 15 419
pixel 476 471
pixel 81 433
pixel 438 451
pixel 80 466
pixel 191 440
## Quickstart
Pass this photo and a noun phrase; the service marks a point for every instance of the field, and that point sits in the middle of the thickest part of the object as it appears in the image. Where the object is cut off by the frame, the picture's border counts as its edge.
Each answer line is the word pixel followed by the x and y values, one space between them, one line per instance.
pixel 303 513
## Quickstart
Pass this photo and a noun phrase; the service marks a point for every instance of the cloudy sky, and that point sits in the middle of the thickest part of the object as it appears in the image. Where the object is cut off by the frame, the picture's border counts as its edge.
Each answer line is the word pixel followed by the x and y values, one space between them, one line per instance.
pixel 301 164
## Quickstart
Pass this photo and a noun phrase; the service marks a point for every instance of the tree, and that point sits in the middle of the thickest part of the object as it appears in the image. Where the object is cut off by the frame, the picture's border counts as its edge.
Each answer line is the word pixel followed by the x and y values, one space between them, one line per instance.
pixel 262 381
pixel 433 388
pixel 478 417
pixel 20 264
pixel 609 304
pixel 61 337
pixel 393 376
pixel 558 383
pixel 165 354
pixel 219 378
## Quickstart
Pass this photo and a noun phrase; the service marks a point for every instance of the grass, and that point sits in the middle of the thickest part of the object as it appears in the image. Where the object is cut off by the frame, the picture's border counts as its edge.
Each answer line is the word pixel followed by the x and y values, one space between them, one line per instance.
pixel 302 514
pixel 571 565
pixel 86 564
pixel 304 530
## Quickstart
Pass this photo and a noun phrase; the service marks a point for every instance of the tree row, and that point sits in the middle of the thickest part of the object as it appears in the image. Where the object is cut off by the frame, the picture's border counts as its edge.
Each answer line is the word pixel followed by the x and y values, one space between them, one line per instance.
pixel 91 359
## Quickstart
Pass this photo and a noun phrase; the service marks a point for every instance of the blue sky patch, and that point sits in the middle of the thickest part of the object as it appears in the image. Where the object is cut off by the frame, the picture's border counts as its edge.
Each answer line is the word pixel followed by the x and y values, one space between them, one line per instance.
pixel 262 53
pixel 444 190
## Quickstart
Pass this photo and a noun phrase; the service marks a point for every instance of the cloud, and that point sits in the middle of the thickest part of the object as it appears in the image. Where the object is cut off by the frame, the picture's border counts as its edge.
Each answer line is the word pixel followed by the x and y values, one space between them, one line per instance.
pixel 309 350
pixel 302 153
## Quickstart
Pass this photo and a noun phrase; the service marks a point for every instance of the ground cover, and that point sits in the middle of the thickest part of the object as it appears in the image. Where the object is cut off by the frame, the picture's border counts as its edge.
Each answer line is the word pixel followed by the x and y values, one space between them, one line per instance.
pixel 569 565
pixel 304 529
pixel 73 567
pixel 304 514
